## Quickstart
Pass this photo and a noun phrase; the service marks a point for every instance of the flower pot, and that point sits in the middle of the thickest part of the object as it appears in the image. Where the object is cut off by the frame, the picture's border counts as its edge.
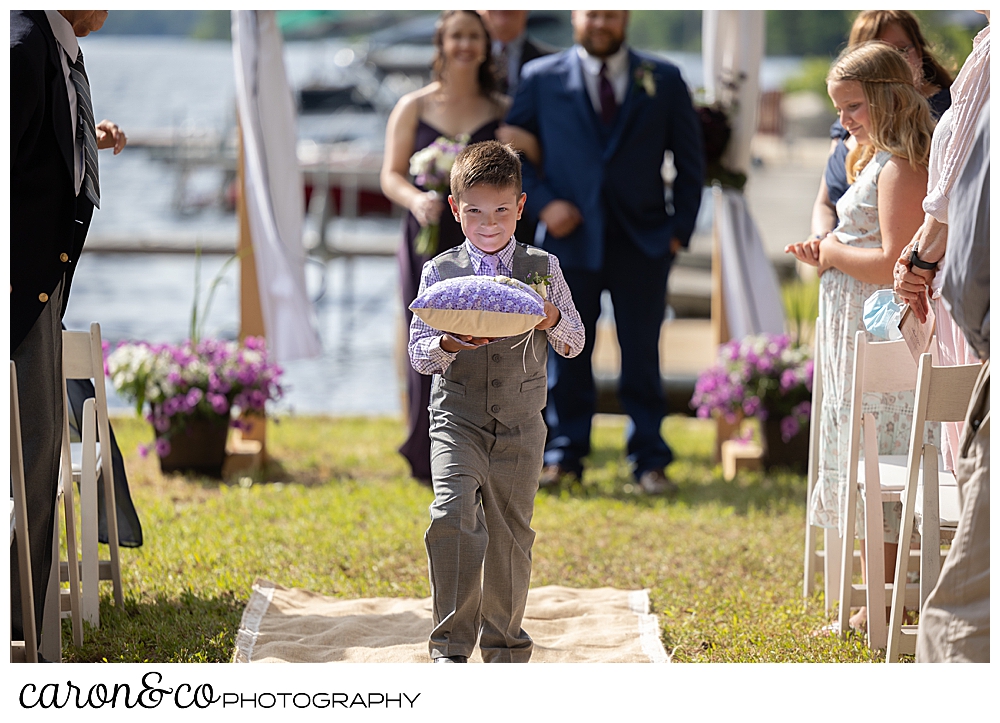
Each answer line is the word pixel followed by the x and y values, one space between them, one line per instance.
pixel 199 447
pixel 793 454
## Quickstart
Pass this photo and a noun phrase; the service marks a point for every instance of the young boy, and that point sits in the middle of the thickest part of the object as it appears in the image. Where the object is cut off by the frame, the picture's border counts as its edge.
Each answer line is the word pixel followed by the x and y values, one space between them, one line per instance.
pixel 486 427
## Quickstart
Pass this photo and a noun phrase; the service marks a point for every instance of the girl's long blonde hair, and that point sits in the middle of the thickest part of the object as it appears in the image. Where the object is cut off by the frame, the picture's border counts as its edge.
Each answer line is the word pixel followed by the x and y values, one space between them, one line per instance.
pixel 899 115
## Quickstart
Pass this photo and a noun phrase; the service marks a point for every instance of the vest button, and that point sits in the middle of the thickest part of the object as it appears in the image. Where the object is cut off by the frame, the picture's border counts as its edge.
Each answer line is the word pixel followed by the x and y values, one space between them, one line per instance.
pixel 496 357
pixel 495 408
pixel 43 297
pixel 64 257
pixel 496 382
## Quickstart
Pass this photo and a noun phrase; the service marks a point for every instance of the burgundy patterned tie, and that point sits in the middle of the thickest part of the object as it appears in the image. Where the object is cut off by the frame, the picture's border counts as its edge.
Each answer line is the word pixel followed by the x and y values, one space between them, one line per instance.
pixel 609 107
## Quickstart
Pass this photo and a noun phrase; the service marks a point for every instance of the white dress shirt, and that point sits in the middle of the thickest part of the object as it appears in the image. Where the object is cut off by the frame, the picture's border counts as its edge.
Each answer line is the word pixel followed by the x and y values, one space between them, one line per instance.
pixel 66 40
pixel 617 73
pixel 955 132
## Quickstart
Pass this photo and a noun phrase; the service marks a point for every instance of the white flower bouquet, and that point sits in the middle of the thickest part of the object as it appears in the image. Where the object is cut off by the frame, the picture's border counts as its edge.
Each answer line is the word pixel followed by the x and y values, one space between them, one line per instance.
pixel 431 170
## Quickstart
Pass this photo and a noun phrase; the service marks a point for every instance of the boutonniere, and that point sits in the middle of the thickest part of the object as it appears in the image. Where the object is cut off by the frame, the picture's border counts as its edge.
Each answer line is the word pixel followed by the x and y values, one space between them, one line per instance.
pixel 644 77
pixel 538 283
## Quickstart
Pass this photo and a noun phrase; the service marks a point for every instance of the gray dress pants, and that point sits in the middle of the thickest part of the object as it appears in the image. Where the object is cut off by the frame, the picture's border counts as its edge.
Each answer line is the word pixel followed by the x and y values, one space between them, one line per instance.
pixel 955 619
pixel 40 396
pixel 479 540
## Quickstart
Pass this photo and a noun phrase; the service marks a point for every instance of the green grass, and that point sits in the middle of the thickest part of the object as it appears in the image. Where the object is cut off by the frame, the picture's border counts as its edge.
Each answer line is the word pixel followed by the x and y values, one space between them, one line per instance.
pixel 336 513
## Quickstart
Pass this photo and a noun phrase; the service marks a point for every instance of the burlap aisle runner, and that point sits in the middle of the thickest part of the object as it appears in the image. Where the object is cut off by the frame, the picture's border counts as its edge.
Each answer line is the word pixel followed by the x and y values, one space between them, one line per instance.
pixel 567 625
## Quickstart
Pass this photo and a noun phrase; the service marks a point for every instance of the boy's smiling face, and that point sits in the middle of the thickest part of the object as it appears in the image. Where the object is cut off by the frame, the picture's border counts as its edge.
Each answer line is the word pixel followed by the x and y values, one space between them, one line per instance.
pixel 488 215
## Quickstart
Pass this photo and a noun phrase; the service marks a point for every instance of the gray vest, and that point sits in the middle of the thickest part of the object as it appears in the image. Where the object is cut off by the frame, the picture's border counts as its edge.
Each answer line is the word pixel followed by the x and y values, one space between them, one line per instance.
pixel 495 381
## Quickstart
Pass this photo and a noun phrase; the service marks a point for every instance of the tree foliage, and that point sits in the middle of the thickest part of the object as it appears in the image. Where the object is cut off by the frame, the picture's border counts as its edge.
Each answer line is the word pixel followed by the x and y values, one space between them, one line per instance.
pixel 811 33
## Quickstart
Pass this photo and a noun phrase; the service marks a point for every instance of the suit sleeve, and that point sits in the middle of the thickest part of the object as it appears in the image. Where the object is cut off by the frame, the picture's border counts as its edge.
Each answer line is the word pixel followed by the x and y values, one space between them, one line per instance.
pixel 686 144
pixel 524 113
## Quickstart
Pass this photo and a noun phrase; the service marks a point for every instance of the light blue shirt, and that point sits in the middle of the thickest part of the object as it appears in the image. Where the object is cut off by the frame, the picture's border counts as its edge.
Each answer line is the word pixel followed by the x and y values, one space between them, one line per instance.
pixel 67 42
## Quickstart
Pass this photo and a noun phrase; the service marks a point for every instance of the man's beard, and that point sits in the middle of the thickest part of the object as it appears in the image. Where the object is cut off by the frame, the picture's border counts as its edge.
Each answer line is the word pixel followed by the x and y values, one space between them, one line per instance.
pixel 613 46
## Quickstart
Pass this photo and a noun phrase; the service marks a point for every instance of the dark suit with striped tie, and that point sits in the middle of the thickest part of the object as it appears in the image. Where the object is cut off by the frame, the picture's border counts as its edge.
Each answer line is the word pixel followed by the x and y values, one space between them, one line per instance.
pixel 48 226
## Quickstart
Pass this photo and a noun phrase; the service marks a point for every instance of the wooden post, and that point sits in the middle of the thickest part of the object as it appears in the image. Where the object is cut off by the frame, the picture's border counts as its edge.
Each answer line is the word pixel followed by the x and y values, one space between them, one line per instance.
pixel 720 329
pixel 251 316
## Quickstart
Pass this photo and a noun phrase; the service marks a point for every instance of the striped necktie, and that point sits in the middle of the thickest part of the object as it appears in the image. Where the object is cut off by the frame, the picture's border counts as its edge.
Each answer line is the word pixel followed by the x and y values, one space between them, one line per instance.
pixel 502 61
pixel 86 130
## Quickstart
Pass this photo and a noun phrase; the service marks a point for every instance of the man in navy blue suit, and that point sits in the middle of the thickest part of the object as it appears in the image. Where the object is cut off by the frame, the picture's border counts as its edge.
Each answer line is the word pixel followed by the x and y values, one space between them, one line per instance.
pixel 605 116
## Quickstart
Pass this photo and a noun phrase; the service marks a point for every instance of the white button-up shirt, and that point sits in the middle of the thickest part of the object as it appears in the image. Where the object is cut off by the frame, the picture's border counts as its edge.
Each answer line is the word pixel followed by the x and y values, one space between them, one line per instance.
pixel 67 42
pixel 617 74
pixel 956 130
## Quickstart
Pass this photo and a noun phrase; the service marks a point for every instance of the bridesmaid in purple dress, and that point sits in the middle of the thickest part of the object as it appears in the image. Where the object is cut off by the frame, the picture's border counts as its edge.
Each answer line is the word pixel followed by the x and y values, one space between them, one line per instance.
pixel 462 100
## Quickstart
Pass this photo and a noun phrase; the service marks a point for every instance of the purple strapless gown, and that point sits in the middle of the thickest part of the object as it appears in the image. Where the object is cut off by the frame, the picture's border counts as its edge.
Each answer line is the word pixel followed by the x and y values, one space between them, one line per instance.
pixel 417 447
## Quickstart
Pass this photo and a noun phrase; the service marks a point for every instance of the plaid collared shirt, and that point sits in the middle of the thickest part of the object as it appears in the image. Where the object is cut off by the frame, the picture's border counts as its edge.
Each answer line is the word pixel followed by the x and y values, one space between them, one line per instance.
pixel 566 337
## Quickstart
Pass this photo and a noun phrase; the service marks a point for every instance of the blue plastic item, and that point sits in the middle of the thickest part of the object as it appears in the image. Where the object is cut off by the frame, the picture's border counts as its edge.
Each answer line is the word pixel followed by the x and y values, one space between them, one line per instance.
pixel 883 310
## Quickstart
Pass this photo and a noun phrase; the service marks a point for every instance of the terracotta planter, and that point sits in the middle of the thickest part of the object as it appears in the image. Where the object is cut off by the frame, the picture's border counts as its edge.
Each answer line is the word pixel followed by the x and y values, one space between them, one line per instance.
pixel 199 448
pixel 793 454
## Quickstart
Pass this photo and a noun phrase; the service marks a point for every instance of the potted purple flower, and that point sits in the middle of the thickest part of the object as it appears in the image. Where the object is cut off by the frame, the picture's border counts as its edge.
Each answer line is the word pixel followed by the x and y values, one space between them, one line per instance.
pixel 194 392
pixel 766 377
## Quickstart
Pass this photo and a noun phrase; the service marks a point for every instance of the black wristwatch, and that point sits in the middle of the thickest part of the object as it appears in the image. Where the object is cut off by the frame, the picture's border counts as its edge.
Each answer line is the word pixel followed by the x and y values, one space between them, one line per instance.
pixel 915 261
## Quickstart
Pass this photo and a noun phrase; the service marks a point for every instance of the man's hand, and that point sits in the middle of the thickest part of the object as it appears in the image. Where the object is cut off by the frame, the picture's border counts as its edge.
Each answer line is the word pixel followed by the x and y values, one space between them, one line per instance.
pixel 552 315
pixel 109 135
pixel 911 284
pixel 675 246
pixel 560 217
pixel 931 240
pixel 454 343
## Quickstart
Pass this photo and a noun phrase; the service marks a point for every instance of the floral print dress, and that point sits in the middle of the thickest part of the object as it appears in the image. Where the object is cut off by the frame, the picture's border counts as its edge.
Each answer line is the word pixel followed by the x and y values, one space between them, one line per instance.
pixel 841 310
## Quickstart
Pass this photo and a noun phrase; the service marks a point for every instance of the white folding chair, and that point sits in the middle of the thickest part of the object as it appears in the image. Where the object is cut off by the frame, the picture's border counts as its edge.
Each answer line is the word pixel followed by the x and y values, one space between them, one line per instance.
pixel 879 367
pixel 59 602
pixel 25 651
pixel 827 559
pixel 930 498
pixel 84 461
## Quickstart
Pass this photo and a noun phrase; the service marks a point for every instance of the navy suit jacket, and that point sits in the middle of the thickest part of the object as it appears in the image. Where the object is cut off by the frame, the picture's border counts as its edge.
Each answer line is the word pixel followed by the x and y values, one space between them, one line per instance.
pixel 613 170
pixel 48 223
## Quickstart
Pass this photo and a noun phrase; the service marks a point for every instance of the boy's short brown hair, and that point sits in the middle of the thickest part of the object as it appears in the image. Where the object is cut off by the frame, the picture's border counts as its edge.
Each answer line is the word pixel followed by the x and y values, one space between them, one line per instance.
pixel 490 163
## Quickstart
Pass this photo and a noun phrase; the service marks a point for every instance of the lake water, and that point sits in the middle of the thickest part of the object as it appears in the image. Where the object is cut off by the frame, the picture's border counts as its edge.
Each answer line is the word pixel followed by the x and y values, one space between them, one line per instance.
pixel 146 83
pixel 155 83
pixel 149 296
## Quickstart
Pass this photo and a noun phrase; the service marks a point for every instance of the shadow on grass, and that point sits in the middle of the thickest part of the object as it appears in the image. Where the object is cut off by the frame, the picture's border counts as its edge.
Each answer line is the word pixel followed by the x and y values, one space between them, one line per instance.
pixel 700 481
pixel 271 472
pixel 182 629
pixel 758 490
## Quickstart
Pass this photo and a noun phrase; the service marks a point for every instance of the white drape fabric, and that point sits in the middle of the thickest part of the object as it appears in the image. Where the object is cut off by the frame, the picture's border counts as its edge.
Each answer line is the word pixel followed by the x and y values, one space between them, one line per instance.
pixel 273 185
pixel 749 284
pixel 732 50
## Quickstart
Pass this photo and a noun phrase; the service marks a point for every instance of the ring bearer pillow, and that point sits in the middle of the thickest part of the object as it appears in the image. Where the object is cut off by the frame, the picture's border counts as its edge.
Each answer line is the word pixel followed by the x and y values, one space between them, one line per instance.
pixel 481 306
